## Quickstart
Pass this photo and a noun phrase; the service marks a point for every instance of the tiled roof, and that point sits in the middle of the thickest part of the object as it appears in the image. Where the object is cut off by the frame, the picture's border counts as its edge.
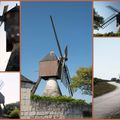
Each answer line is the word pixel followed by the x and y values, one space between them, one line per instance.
pixel 24 79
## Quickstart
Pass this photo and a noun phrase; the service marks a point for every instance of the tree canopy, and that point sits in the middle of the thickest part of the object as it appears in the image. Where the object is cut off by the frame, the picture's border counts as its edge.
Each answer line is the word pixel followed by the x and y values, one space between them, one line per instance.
pixel 83 80
pixel 98 20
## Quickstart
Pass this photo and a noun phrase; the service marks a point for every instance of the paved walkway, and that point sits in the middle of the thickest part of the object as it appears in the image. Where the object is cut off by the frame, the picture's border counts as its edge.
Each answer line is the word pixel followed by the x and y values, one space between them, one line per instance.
pixel 107 104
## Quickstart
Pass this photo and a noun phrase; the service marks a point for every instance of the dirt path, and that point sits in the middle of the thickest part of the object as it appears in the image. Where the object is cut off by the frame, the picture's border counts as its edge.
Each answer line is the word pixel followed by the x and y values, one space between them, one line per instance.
pixel 107 104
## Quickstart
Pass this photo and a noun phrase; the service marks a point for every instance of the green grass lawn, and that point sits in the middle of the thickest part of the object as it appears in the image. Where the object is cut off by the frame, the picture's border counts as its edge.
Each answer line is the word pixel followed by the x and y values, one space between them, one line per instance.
pixel 101 88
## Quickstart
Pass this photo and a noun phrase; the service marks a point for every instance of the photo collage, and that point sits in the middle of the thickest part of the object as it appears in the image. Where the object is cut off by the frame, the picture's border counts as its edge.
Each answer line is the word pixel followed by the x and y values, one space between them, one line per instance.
pixel 59 59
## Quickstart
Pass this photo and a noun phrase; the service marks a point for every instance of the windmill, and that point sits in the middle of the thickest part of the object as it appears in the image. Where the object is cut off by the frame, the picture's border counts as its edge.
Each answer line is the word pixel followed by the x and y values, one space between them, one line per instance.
pixel 10 18
pixel 11 25
pixel 2 98
pixel 113 17
pixel 52 68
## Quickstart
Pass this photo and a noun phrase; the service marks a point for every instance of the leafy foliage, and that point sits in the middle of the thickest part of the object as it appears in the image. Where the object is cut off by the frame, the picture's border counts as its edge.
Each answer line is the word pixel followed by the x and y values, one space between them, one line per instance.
pixel 10 107
pixel 115 80
pixel 83 80
pixel 98 20
pixel 15 113
pixel 11 110
pixel 58 99
pixel 107 34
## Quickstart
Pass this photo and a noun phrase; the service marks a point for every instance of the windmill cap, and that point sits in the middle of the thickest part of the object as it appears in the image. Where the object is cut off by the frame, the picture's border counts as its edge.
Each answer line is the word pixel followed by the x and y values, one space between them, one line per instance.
pixel 14 9
pixel 51 52
pixel 50 57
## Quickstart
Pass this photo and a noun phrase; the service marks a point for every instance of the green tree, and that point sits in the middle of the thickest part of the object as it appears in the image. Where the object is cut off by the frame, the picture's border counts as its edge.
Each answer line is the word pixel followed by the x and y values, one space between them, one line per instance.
pixel 83 80
pixel 10 107
pixel 98 20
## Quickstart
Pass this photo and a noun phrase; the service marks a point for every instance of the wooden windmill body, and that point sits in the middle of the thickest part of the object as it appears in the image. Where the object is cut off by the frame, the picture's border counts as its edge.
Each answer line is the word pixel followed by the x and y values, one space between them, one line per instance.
pixel 49 71
pixel 52 69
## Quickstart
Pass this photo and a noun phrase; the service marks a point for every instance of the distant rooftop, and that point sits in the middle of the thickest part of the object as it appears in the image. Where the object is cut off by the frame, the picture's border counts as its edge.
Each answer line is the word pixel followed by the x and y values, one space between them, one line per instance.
pixel 24 79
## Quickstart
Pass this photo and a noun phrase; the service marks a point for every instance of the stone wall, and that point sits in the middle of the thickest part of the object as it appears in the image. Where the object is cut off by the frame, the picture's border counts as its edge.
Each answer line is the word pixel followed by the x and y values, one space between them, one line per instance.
pixel 25 99
pixel 47 109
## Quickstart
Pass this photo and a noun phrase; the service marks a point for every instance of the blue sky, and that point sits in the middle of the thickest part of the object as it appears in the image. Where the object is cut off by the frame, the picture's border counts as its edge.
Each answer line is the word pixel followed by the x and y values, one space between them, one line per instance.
pixel 73 25
pixel 102 10
pixel 106 58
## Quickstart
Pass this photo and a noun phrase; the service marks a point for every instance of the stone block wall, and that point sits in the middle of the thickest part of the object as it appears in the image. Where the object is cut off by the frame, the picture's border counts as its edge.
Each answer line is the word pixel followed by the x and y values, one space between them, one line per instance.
pixel 47 109
pixel 25 99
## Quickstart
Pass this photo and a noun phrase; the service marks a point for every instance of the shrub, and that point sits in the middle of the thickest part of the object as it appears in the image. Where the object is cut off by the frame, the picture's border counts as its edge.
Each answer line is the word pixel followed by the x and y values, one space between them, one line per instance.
pixel 14 114
pixel 58 99
pixel 107 34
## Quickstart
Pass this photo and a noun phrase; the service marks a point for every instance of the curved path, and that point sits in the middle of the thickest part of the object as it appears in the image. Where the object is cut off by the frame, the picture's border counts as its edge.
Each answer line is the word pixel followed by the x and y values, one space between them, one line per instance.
pixel 107 104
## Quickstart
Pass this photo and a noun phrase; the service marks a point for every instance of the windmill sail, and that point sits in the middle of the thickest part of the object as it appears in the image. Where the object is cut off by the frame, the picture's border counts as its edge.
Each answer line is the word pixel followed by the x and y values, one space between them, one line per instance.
pixel 109 20
pixel 108 23
pixel 65 76
pixel 1 84
pixel 2 98
pixel 58 44
pixel 113 17
pixel 66 80
pixel 113 9
pixel 2 17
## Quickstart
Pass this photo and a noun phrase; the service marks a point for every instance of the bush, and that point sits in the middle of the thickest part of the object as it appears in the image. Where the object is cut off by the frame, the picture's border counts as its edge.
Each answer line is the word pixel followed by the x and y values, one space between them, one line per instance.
pixel 58 99
pixel 107 34
pixel 14 114
pixel 10 107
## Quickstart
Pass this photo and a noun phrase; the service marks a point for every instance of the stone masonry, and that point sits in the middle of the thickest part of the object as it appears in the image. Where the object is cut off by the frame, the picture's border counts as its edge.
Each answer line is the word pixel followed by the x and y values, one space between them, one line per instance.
pixel 46 109
pixel 27 86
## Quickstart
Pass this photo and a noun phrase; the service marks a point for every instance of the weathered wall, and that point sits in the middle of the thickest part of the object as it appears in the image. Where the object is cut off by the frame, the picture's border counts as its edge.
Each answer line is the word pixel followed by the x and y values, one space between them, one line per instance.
pixel 47 109
pixel 25 99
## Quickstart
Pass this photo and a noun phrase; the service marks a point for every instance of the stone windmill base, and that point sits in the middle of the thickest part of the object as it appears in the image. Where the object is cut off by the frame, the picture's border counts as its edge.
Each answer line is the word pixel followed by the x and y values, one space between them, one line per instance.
pixel 52 88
